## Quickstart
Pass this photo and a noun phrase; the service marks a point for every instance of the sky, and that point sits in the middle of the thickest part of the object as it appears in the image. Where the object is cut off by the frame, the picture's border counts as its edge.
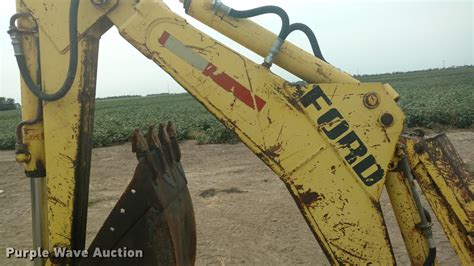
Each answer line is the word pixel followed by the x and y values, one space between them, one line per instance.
pixel 359 37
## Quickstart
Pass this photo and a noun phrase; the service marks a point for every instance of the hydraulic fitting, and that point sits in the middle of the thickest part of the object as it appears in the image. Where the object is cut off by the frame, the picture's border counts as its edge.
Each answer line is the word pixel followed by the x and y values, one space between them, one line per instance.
pixel 16 40
pixel 273 52
pixel 21 153
pixel 218 6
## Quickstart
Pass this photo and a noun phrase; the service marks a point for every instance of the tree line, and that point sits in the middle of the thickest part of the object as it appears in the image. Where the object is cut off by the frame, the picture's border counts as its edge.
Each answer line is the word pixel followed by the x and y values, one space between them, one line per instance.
pixel 7 104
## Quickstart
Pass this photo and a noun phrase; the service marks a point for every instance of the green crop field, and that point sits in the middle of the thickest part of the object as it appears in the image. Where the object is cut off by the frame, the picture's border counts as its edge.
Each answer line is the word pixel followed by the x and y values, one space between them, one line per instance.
pixel 434 98
pixel 430 98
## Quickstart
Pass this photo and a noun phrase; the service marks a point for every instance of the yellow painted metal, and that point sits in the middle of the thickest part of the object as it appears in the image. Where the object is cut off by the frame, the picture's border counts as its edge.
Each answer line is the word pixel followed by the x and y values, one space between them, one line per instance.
pixel 407 216
pixel 448 188
pixel 67 123
pixel 393 93
pixel 258 39
pixel 342 211
pixel 52 17
pixel 33 136
pixel 67 131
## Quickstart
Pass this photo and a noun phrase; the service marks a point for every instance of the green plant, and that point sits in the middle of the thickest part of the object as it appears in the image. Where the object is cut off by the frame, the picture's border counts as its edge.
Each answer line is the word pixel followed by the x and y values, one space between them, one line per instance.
pixel 432 98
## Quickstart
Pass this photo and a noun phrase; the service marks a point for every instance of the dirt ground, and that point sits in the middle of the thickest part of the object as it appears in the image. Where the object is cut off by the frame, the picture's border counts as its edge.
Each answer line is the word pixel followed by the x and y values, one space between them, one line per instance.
pixel 244 213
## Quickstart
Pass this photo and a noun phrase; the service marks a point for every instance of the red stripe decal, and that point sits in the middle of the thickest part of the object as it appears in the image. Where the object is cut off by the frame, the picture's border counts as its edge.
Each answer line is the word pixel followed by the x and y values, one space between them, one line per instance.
pixel 222 79
pixel 231 85
pixel 164 37
pixel 260 103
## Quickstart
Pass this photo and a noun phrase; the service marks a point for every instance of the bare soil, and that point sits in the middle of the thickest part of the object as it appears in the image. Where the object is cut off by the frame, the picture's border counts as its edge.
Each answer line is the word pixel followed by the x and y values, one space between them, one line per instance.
pixel 244 213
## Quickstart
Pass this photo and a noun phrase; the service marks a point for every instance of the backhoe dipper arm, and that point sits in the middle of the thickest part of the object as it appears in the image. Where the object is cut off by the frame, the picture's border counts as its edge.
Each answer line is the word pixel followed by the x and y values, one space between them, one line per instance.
pixel 331 142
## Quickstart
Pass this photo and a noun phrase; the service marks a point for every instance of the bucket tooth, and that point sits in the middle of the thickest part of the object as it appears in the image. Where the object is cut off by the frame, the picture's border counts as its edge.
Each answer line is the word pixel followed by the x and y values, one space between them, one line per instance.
pixel 166 142
pixel 161 160
pixel 171 129
pixel 157 151
pixel 163 134
pixel 139 143
pixel 152 137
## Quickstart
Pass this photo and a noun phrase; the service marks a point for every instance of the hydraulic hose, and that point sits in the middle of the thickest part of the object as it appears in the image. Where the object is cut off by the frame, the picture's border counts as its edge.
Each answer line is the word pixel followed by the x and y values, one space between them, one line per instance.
pixel 311 37
pixel 424 225
pixel 73 58
pixel 39 109
pixel 286 28
pixel 285 20
pixel 430 260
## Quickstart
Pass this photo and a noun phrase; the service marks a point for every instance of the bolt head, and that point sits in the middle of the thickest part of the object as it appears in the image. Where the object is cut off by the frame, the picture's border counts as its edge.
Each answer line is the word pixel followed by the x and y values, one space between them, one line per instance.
pixel 386 119
pixel 419 147
pixel 371 100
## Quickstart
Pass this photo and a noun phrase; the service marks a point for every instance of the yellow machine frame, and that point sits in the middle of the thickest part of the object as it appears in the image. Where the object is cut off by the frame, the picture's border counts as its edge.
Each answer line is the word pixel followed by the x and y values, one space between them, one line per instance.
pixel 335 143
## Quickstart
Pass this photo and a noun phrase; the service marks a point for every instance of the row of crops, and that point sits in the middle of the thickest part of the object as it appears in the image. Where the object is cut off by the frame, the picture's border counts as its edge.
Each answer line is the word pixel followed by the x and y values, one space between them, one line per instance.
pixel 115 119
pixel 432 99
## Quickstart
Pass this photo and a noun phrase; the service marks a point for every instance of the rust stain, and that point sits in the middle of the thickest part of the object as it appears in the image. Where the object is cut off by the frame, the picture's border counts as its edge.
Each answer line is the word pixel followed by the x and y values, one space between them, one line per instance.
pixel 293 98
pixel 268 117
pixel 387 138
pixel 272 151
pixel 309 197
pixel 298 91
pixel 69 158
pixel 333 93
pixel 447 160
pixel 33 134
pixel 55 200
pixel 342 226
pixel 349 253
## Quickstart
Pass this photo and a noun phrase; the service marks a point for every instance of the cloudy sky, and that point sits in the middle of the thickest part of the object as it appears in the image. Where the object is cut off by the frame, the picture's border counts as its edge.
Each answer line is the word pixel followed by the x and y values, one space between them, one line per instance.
pixel 362 37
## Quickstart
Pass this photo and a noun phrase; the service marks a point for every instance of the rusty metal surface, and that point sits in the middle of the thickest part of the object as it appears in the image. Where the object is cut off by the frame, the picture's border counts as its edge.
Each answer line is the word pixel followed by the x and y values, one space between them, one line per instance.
pixel 86 98
pixel 450 165
pixel 448 188
pixel 155 212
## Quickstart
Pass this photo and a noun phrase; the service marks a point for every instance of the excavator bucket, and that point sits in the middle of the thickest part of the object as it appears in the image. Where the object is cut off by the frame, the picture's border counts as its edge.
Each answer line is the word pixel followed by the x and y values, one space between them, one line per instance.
pixel 447 186
pixel 153 221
